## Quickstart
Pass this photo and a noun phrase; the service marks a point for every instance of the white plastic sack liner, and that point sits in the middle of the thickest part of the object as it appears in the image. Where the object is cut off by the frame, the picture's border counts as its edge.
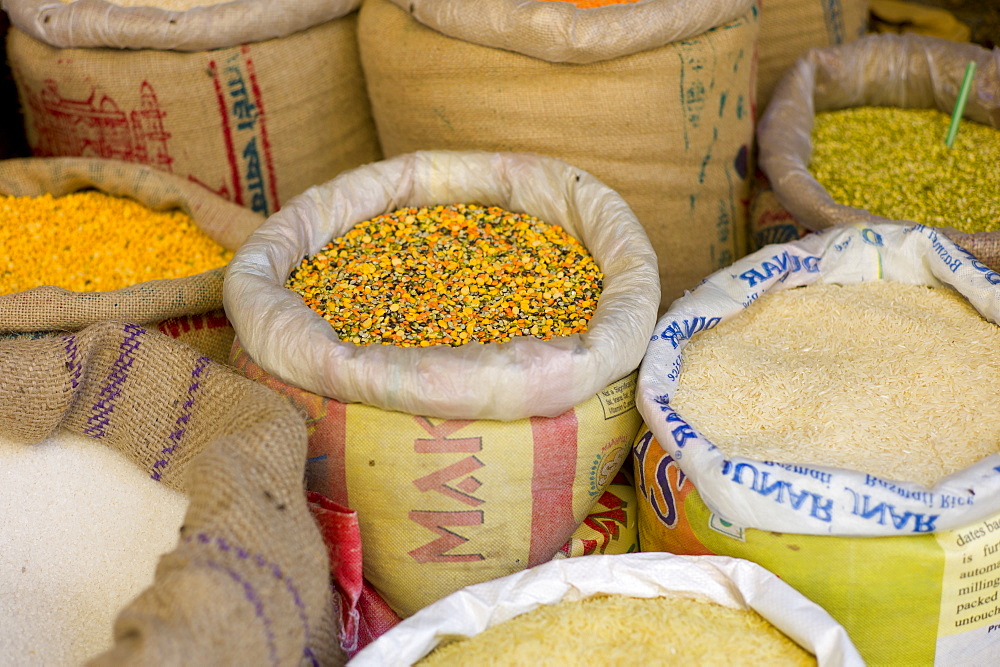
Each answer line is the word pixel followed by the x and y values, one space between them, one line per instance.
pixel 827 500
pixel 731 582
pixel 505 381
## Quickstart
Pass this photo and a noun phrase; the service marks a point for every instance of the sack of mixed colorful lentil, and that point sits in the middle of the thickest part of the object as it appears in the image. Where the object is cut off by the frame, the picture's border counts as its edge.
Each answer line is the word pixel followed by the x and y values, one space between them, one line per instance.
pixel 653 98
pixel 436 446
pixel 856 133
pixel 656 608
pixel 87 240
pixel 254 99
pixel 824 408
pixel 248 581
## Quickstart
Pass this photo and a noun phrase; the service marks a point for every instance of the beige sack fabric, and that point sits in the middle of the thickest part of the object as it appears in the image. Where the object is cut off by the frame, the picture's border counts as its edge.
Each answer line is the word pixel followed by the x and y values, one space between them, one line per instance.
pixel 248 582
pixel 654 99
pixel 50 308
pixel 256 115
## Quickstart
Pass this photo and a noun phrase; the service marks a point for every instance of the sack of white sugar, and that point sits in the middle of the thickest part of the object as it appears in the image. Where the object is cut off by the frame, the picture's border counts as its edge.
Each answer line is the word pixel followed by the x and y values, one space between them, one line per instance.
pixel 824 408
pixel 247 581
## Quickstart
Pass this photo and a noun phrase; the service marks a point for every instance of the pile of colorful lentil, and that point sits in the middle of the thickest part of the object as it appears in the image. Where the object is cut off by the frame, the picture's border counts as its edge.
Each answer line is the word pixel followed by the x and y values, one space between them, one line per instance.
pixel 894 163
pixel 90 241
pixel 449 275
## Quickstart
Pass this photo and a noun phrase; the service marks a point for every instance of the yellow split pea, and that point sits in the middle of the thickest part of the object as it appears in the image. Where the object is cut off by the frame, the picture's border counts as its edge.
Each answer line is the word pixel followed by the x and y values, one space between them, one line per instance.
pixel 90 241
pixel 449 275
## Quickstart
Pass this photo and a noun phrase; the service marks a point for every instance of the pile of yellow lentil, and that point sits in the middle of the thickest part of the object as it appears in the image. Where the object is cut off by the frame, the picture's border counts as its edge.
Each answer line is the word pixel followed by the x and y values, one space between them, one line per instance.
pixel 449 275
pixel 90 241
pixel 893 162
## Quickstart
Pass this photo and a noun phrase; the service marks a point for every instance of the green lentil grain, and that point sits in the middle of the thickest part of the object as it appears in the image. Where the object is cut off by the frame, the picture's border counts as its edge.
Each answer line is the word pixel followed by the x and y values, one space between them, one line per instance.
pixel 893 162
pixel 449 275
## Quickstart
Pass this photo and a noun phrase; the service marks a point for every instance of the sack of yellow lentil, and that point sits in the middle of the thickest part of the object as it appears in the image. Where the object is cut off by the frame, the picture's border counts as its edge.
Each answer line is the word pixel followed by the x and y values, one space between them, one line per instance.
pixel 254 99
pixel 76 264
pixel 653 98
pixel 733 587
pixel 895 94
pixel 464 462
pixel 824 408
pixel 248 580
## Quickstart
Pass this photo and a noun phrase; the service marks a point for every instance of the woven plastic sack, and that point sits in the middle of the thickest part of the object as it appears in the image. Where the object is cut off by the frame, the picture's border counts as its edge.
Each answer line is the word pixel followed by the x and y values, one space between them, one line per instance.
pixel 894 561
pixel 726 581
pixel 254 99
pixel 654 98
pixel 49 308
pixel 248 581
pixel 908 71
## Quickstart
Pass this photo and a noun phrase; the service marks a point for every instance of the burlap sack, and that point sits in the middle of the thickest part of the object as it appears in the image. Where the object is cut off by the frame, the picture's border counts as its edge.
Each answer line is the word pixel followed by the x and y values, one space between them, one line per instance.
pixel 789 28
pixel 655 99
pixel 254 99
pixel 51 308
pixel 248 582
pixel 910 71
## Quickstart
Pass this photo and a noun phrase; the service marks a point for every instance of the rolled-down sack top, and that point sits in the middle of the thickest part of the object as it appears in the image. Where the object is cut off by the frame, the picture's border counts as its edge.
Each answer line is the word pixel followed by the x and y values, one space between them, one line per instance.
pixel 503 381
pixel 730 582
pixel 814 499
pixel 48 308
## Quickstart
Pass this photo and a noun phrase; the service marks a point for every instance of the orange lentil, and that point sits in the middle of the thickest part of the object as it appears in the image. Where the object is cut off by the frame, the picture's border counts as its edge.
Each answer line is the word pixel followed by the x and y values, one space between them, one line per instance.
pixel 90 241
pixel 591 4
pixel 448 275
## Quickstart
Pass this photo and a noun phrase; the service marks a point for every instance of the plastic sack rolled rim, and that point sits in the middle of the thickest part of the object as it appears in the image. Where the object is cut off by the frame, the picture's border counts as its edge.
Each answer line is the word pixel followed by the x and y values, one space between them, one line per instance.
pixel 812 499
pixel 731 582
pixel 102 23
pixel 521 378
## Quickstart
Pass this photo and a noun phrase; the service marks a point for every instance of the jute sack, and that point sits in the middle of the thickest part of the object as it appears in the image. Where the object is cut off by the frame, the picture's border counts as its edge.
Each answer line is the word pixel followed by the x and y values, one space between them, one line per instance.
pixel 655 99
pixel 49 308
pixel 254 99
pixel 908 71
pixel 909 570
pixel 463 463
pixel 248 581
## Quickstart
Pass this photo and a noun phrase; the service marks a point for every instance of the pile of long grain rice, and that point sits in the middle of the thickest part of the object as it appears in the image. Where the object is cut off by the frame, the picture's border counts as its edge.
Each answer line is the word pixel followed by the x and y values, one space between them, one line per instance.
pixel 623 630
pixel 896 380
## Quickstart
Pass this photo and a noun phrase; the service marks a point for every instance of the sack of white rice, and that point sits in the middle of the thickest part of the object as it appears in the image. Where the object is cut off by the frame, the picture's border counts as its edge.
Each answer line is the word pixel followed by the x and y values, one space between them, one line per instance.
pixel 653 98
pixel 824 408
pixel 464 461
pixel 254 99
pixel 247 580
pixel 857 133
pixel 625 609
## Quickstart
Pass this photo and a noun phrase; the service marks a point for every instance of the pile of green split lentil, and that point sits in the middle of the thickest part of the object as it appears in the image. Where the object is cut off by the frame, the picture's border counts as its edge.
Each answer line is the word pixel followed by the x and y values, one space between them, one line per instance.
pixel 449 275
pixel 894 163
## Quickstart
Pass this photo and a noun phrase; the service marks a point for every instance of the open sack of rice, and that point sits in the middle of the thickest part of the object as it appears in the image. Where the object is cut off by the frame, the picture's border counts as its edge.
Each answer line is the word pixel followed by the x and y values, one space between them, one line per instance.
pixel 254 99
pixel 246 579
pixel 468 379
pixel 86 240
pixel 653 98
pixel 628 609
pixel 857 133
pixel 825 408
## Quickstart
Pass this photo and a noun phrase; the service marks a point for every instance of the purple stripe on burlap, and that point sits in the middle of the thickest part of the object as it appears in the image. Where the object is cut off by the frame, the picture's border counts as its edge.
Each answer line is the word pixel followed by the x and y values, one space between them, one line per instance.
pixel 73 364
pixel 258 605
pixel 174 439
pixel 260 561
pixel 99 421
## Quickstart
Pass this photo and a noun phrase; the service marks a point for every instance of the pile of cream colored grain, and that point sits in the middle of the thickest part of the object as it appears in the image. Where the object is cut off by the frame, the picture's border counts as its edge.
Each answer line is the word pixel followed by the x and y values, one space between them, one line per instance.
pixel 623 630
pixel 81 531
pixel 896 380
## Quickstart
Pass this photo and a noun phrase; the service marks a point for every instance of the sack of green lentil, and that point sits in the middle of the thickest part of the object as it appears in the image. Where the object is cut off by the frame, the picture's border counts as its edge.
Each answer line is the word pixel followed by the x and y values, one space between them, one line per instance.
pixel 248 580
pixel 254 99
pixel 464 461
pixel 653 98
pixel 625 609
pixel 68 261
pixel 856 133
pixel 824 408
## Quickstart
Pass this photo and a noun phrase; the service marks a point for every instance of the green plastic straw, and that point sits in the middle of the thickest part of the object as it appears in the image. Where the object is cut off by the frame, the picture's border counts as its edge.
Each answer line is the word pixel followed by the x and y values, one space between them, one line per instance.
pixel 963 96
